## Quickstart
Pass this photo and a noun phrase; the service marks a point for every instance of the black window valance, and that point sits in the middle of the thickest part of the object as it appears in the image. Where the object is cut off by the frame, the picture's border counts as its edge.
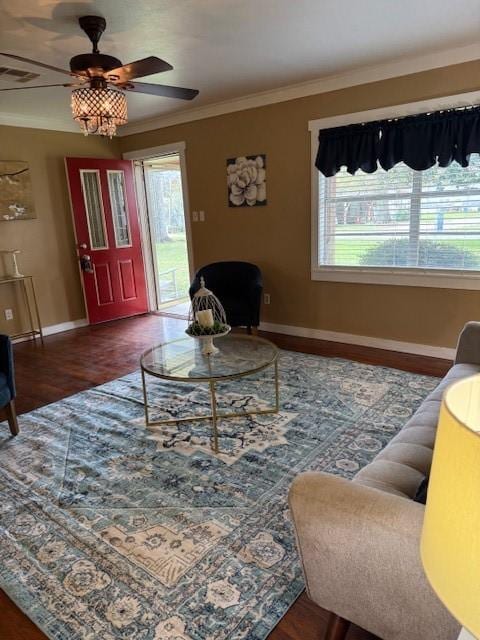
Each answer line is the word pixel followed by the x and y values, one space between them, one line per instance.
pixel 420 142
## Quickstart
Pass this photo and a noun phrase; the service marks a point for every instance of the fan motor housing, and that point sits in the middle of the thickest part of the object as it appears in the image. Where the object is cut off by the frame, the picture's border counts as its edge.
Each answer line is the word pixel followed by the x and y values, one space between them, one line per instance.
pixel 84 62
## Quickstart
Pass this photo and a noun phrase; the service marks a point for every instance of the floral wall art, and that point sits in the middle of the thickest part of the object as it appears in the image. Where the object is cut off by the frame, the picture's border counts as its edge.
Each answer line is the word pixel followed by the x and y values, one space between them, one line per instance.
pixel 16 198
pixel 246 179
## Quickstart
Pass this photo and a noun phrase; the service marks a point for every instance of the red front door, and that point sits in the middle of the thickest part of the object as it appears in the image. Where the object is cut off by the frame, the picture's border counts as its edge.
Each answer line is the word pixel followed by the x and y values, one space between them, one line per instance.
pixel 108 237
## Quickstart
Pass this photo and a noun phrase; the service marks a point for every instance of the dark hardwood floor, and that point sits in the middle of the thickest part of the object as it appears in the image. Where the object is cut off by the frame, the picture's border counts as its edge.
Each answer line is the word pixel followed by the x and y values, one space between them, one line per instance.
pixel 77 360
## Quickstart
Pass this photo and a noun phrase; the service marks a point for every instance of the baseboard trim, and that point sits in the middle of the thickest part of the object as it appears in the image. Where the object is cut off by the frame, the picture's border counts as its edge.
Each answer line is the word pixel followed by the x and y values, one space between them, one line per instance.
pixel 65 326
pixel 444 353
pixel 58 328
pixel 363 341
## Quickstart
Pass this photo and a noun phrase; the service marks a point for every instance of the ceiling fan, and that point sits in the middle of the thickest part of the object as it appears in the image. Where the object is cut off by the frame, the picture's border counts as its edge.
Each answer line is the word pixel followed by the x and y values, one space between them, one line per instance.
pixel 99 80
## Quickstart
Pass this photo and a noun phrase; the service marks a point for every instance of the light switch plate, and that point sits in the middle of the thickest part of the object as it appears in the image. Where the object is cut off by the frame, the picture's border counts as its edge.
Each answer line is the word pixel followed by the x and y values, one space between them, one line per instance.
pixel 202 216
pixel 8 314
pixel 195 216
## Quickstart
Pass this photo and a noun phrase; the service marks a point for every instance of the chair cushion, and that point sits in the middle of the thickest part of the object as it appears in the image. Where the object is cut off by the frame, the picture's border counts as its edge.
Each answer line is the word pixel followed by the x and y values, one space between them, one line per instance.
pixel 404 463
pixel 5 395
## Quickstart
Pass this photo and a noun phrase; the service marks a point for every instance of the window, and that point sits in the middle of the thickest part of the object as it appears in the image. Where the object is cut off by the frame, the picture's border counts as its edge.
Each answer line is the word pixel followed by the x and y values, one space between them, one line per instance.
pixel 426 221
pixel 116 188
pixel 92 197
pixel 402 218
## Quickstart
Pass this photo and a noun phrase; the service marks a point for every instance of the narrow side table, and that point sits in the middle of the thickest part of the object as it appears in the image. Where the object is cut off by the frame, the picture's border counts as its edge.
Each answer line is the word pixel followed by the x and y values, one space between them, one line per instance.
pixel 35 324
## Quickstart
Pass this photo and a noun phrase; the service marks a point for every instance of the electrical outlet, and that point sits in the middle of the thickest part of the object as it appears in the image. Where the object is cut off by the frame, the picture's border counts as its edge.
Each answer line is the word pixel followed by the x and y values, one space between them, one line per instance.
pixel 202 216
pixel 8 314
pixel 266 298
pixel 195 216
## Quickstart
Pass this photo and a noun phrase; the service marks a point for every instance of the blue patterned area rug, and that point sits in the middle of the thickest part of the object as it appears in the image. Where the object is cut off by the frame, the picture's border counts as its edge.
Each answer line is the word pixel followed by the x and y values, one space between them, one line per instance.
pixel 109 530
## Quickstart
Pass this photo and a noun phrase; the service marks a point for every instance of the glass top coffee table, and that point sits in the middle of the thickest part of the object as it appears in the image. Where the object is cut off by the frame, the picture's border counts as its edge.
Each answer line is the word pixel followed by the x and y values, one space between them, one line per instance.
pixel 182 361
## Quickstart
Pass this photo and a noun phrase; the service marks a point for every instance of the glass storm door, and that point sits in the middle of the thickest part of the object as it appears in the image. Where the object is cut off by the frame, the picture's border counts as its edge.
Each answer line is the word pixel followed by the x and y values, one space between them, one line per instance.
pixel 108 237
pixel 166 217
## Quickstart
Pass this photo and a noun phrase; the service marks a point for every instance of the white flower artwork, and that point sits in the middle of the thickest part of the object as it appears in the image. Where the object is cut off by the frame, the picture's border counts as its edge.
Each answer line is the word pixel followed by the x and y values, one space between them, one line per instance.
pixel 246 179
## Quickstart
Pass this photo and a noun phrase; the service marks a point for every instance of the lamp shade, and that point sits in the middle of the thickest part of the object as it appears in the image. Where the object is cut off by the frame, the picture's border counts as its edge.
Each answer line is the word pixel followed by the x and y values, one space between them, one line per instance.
pixel 450 545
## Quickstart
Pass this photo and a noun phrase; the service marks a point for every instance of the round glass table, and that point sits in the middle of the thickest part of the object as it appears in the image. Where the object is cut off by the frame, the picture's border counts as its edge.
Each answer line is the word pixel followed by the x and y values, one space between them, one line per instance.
pixel 183 361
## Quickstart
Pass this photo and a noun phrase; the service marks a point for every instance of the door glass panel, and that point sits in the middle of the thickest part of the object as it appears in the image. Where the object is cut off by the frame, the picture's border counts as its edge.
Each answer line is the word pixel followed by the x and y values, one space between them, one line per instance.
pixel 116 188
pixel 167 228
pixel 93 204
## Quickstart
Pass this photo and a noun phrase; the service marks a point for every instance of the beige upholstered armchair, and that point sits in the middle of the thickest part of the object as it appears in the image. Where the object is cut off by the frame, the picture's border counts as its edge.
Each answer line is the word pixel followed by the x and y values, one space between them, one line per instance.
pixel 359 541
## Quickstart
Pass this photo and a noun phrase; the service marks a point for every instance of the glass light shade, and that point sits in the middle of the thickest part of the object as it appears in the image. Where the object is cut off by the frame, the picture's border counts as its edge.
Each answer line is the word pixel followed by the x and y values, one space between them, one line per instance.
pixel 99 111
pixel 450 545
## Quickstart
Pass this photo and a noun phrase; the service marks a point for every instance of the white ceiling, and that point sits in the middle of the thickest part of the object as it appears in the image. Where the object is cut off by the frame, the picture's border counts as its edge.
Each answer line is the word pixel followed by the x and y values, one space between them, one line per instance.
pixel 225 48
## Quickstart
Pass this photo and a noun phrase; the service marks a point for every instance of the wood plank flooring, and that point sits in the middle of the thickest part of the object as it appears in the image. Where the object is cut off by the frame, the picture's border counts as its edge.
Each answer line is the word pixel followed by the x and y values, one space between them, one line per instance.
pixel 77 360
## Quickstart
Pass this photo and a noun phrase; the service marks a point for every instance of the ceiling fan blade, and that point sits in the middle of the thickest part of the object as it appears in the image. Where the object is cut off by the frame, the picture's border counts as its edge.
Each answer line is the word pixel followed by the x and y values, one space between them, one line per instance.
pixel 40 86
pixel 139 68
pixel 162 90
pixel 36 63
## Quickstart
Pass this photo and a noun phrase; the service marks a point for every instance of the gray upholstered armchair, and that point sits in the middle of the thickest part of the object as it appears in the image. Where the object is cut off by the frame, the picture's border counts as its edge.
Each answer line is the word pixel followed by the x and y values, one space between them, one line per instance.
pixel 7 383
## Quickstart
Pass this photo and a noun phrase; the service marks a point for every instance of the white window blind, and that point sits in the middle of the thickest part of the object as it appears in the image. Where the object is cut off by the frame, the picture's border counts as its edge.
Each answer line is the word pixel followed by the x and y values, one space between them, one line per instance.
pixel 401 218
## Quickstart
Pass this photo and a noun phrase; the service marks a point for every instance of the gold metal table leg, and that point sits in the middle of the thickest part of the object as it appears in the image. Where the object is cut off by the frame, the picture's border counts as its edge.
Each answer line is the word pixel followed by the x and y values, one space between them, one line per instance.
pixel 145 399
pixel 214 416
pixel 213 402
pixel 277 388
pixel 35 306
pixel 29 311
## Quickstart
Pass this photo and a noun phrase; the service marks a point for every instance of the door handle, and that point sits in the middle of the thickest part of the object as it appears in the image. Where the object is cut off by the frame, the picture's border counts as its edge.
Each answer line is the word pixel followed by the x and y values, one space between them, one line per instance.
pixel 82 246
pixel 86 264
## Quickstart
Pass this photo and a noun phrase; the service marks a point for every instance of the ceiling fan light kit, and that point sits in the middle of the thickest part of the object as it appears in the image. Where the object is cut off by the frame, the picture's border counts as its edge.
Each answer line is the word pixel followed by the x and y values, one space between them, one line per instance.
pixel 97 107
pixel 99 111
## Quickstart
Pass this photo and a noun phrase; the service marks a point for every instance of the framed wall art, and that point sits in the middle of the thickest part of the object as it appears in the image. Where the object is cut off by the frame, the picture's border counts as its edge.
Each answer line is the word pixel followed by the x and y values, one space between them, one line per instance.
pixel 246 180
pixel 16 197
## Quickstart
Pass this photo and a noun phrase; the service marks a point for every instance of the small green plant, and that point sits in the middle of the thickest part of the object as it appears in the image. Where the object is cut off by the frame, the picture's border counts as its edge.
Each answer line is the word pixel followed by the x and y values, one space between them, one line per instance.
pixel 195 329
pixel 431 253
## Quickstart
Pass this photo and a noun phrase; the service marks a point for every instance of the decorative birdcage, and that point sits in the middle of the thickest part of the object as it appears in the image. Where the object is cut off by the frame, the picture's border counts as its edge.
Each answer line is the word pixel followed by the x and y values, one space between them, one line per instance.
pixel 206 319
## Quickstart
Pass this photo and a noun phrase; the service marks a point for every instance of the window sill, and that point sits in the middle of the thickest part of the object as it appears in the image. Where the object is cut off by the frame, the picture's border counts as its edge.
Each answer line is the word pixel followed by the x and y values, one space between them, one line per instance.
pixel 444 279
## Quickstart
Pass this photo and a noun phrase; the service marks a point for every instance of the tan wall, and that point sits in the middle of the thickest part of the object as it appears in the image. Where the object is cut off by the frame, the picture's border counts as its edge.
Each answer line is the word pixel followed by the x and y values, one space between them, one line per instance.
pixel 47 243
pixel 277 237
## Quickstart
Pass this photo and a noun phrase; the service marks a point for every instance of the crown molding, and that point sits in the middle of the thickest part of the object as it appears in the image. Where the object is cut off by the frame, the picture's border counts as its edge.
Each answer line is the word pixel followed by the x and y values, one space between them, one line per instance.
pixel 351 78
pixel 37 122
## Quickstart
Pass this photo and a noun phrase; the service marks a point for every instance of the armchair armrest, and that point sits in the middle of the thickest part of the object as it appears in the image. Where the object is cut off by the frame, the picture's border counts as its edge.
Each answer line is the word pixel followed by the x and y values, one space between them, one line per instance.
pixel 359 548
pixel 468 346
pixel 6 362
